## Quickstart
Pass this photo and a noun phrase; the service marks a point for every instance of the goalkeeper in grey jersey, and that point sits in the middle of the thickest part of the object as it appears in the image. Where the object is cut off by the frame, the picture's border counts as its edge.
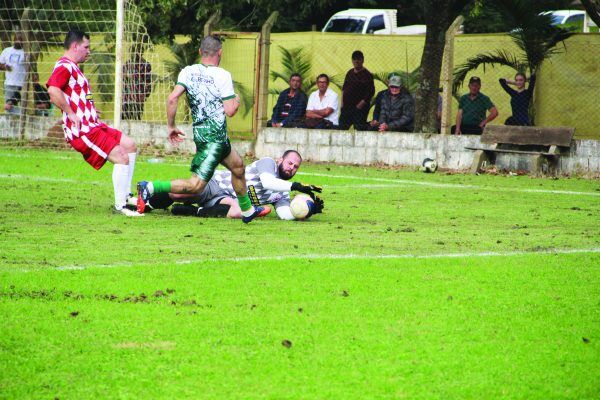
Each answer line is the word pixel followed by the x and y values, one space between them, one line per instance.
pixel 267 181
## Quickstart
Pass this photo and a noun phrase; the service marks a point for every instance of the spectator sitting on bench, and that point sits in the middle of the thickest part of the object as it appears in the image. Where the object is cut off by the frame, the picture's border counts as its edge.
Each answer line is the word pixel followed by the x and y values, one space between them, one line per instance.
pixel 291 105
pixel 519 98
pixel 472 107
pixel 397 109
pixel 322 111
pixel 378 97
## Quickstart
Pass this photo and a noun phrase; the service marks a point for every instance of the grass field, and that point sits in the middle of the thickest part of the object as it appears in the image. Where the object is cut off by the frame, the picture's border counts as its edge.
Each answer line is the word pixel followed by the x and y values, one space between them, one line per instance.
pixel 410 285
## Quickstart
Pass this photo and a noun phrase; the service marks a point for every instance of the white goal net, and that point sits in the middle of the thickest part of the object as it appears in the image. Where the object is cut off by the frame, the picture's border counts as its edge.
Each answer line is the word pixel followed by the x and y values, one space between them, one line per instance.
pixel 38 29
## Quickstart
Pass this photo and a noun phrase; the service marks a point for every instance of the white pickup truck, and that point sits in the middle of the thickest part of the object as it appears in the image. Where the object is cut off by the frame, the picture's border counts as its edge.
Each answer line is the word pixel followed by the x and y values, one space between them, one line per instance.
pixel 367 21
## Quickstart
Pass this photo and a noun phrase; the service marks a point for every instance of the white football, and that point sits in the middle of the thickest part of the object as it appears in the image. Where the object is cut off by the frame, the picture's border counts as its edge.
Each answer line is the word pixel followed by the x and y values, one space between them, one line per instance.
pixel 300 206
pixel 429 165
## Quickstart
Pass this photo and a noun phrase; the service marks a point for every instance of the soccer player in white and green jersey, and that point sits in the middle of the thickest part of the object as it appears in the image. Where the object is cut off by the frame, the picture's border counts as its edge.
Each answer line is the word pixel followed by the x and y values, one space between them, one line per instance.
pixel 211 97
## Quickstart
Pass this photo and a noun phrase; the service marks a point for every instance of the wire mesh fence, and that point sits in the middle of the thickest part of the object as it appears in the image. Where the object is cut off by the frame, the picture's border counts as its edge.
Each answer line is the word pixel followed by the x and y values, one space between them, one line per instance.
pixel 32 41
pixel 564 95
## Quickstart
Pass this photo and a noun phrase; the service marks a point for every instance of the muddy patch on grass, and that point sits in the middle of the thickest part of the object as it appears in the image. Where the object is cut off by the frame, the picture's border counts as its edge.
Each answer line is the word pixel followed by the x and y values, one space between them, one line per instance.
pixel 157 297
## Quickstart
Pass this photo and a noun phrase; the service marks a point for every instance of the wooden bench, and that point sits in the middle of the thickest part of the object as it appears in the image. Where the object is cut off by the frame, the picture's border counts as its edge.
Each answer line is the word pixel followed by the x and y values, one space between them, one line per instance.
pixel 544 144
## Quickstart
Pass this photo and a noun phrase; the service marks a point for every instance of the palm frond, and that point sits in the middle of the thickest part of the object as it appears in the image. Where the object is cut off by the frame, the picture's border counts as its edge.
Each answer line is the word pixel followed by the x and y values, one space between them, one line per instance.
pixel 278 75
pixel 500 57
pixel 533 31
pixel 184 54
pixel 246 97
pixel 294 61
pixel 337 80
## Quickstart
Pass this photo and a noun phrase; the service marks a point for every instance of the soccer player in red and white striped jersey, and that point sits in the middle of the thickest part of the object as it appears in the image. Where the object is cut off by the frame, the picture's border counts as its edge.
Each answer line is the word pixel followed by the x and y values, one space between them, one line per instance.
pixel 70 91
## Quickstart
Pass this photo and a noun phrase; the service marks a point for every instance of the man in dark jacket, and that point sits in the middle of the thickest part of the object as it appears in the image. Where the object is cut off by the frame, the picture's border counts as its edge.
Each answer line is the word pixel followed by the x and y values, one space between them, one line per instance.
pixel 397 109
pixel 291 105
pixel 378 98
pixel 357 92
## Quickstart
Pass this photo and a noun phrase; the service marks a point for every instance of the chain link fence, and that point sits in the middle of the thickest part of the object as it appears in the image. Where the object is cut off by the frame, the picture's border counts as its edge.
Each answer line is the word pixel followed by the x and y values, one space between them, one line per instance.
pixel 564 95
pixel 565 91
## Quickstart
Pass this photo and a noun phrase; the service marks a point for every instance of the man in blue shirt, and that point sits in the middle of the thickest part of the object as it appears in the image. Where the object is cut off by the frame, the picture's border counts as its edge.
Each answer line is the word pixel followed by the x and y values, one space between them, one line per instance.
pixel 291 105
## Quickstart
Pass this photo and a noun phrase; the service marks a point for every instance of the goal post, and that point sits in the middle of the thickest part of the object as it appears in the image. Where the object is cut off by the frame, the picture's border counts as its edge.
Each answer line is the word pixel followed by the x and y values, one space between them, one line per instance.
pixel 118 63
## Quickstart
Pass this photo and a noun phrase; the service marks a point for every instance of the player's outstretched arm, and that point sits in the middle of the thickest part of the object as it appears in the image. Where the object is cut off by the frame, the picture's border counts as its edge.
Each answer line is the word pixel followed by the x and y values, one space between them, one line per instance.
pixel 306 189
pixel 175 135
pixel 270 182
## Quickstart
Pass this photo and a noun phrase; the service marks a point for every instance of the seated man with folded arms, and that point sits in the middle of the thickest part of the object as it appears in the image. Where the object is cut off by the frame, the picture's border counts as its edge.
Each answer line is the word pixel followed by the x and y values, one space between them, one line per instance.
pixel 322 111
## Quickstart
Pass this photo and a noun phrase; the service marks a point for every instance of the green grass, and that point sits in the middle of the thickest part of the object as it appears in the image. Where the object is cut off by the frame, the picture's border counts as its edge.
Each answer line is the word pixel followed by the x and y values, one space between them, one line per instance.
pixel 410 285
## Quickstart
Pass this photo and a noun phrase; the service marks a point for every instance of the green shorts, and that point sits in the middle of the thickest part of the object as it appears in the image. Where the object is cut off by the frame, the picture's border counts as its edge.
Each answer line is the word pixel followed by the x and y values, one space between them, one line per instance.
pixel 208 156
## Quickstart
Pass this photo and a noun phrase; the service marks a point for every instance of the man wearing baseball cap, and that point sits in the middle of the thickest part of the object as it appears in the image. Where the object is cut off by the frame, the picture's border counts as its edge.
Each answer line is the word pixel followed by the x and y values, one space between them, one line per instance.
pixel 378 97
pixel 397 108
pixel 472 109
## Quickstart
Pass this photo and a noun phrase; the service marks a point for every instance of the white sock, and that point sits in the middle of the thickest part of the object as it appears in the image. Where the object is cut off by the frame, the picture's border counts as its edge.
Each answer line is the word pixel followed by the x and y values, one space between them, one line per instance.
pixel 120 177
pixel 132 157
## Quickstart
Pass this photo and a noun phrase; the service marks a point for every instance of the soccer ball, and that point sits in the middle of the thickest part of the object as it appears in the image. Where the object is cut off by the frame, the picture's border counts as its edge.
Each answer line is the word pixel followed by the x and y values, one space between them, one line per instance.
pixel 301 205
pixel 429 165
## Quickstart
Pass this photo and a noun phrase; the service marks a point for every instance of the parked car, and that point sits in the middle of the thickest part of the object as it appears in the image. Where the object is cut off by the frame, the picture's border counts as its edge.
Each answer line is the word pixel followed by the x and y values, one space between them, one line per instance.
pixel 575 19
pixel 368 21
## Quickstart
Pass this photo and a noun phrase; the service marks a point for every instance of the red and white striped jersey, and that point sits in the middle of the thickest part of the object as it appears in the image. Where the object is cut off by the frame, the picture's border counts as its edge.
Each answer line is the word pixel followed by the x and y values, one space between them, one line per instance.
pixel 68 77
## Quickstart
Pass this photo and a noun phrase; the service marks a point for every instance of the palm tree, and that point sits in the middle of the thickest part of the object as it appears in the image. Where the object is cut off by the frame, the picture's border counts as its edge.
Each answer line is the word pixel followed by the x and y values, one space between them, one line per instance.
pixel 533 34
pixel 297 61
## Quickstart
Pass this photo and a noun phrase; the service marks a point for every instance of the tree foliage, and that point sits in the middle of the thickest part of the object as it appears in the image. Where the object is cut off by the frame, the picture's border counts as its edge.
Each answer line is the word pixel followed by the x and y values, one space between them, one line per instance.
pixel 439 15
pixel 533 34
pixel 487 16
pixel 297 61
pixel 593 9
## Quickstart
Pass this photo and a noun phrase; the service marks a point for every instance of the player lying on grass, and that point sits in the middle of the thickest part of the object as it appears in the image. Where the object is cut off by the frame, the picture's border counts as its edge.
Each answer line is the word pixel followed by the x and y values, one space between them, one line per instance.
pixel 210 95
pixel 268 183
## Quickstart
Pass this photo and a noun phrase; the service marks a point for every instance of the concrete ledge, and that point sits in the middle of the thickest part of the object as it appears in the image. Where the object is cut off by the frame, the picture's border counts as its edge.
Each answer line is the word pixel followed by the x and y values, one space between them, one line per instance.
pixel 144 133
pixel 363 148
pixel 408 149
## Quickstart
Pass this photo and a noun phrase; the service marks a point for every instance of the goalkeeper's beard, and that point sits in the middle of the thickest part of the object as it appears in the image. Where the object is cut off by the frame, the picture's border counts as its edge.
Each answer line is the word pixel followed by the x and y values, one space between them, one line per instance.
pixel 286 176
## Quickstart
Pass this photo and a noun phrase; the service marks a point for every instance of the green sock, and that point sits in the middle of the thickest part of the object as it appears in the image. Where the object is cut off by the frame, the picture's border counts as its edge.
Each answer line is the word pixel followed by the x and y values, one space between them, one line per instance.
pixel 162 186
pixel 244 202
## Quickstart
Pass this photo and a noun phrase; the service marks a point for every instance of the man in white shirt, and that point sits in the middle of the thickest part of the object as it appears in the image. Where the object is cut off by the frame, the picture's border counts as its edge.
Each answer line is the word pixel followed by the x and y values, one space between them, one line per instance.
pixel 322 111
pixel 12 60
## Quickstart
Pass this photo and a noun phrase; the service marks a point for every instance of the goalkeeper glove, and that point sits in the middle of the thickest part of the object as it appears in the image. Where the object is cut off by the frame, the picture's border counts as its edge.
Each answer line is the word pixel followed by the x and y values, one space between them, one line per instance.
pixel 316 206
pixel 306 189
pixel 319 205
